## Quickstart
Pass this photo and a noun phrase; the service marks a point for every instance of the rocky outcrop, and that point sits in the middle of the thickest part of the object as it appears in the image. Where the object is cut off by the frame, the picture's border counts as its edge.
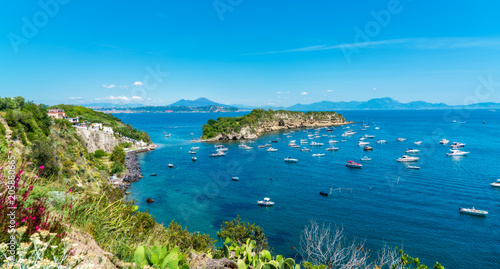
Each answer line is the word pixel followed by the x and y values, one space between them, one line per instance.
pixel 283 121
pixel 95 140
pixel 132 165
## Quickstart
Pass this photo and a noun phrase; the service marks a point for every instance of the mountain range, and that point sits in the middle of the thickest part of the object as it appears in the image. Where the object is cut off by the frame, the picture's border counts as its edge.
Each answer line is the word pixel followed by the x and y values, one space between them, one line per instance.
pixel 385 103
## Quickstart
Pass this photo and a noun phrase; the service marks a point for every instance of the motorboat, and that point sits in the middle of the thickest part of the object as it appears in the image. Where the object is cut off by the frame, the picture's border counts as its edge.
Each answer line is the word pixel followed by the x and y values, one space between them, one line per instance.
pixel 381 141
pixel 218 146
pixel 367 148
pixel 192 152
pixel 318 155
pixel 407 158
pixel 265 202
pixel 412 151
pixel 362 143
pixel 456 152
pixel 376 128
pixel 413 167
pixel 332 149
pixel 400 139
pixel 332 141
pixel 235 178
pixel 168 135
pixel 303 141
pixel 290 160
pixel 295 146
pixel 418 143
pixel 304 149
pixel 496 184
pixel 473 211
pixel 457 145
pixel 366 158
pixel 353 164
pixel 170 165
pixel 268 145
pixel 222 149
pixel 315 144
pixel 444 141
pixel 246 147
pixel 261 146
pixel 323 193
pixel 195 148
pixel 271 149
pixel 154 174
pixel 218 154
pixel 194 158
pixel 349 133
pixel 362 138
pixel 369 136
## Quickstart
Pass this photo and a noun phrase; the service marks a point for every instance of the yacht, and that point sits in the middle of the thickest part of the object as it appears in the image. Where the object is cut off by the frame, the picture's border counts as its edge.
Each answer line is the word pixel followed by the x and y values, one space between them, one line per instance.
pixel 194 158
pixel 290 160
pixel 246 147
pixel 332 141
pixel 304 149
pixel 261 146
pixel 218 146
pixel 271 149
pixel 303 141
pixel 265 202
pixel 457 145
pixel 192 152
pixel 413 167
pixel 318 155
pixel 218 154
pixel 362 143
pixel 473 211
pixel 367 148
pixel 315 144
pixel 349 133
pixel 400 139
pixel 369 136
pixel 376 128
pixel 222 149
pixel 267 145
pixel 456 152
pixel 170 165
pixel 353 164
pixel 195 148
pixel 444 141
pixel 407 158
pixel 496 184
pixel 412 151
pixel 366 158
pixel 332 149
pixel 235 178
pixel 418 143
pixel 381 141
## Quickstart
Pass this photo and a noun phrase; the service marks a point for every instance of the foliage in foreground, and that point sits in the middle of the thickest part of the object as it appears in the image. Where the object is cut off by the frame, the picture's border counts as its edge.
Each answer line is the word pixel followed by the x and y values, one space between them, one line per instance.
pixel 240 231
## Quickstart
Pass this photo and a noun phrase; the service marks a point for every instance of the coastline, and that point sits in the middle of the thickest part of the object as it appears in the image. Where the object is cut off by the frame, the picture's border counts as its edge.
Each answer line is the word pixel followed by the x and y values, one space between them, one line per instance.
pixel 133 173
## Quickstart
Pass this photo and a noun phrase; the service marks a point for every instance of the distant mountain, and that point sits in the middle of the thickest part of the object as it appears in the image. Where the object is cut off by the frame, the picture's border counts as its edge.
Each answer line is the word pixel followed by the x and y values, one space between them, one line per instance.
pixel 200 102
pixel 385 103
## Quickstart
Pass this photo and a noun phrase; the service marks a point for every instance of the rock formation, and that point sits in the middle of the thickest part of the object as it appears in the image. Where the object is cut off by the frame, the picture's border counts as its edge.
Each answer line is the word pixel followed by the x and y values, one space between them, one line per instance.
pixel 95 140
pixel 132 165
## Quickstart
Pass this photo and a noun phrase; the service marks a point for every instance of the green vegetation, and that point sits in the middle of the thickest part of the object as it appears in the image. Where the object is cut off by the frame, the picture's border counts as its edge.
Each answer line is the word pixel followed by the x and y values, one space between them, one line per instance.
pixel 226 125
pixel 239 231
pixel 159 257
pixel 92 116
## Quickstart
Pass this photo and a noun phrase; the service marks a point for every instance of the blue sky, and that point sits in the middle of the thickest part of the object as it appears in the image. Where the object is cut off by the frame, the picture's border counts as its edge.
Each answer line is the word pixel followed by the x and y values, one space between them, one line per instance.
pixel 251 52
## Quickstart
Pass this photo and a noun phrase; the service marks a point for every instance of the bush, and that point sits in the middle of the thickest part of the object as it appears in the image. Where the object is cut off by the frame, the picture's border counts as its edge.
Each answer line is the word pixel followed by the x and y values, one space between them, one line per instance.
pixel 239 231
pixel 43 153
pixel 100 153
pixel 118 155
pixel 125 144
pixel 117 168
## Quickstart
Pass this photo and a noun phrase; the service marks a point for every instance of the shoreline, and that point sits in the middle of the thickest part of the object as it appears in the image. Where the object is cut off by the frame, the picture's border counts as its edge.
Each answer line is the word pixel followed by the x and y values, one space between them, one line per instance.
pixel 133 173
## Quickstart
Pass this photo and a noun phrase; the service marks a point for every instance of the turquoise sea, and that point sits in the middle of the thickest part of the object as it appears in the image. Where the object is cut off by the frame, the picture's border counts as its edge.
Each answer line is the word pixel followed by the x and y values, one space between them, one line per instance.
pixel 389 204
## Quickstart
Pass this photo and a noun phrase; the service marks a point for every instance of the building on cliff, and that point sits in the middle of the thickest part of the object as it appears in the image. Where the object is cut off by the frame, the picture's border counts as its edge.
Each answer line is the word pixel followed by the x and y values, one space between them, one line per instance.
pixel 56 113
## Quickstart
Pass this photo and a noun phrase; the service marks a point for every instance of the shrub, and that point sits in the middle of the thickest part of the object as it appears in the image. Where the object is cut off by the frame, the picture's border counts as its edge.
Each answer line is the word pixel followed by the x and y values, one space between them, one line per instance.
pixel 117 168
pixel 239 231
pixel 100 153
pixel 118 155
pixel 43 153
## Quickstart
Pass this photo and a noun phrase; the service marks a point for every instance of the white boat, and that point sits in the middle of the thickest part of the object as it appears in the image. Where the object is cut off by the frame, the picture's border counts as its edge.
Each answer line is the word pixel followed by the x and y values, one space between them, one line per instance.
pixel 192 152
pixel 418 143
pixel 366 158
pixel 362 138
pixel 457 145
pixel 456 152
pixel 218 146
pixel 318 155
pixel 246 147
pixel 332 141
pixel 376 128
pixel 304 149
pixel 332 149
pixel 303 141
pixel 195 148
pixel 496 184
pixel 353 164
pixel 170 165
pixel 235 178
pixel 473 211
pixel 261 146
pixel 315 144
pixel 268 145
pixel 407 158
pixel 194 158
pixel 290 160
pixel 444 141
pixel 381 141
pixel 412 151
pixel 369 136
pixel 265 202
pixel 349 133
pixel 362 143
pixel 222 149
pixel 271 149
pixel 400 139
pixel 292 141
pixel 218 154
pixel 413 167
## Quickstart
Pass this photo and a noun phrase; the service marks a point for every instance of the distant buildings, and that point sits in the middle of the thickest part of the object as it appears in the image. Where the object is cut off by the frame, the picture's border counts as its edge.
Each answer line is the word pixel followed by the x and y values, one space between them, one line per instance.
pixel 56 113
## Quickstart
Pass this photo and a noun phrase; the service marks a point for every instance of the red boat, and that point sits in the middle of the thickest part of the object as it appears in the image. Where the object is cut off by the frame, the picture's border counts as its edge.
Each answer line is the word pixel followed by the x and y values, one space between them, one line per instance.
pixel 353 164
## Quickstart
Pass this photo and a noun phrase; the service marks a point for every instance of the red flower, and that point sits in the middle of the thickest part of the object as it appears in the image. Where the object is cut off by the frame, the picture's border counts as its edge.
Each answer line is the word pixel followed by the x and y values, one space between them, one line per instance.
pixel 70 190
pixel 41 167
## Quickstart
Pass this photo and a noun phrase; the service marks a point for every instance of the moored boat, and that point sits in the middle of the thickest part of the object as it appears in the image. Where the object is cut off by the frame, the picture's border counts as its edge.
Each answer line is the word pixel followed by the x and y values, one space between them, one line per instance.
pixel 353 164
pixel 265 202
pixel 473 211
pixel 413 167
pixel 456 152
pixel 318 155
pixel 412 151
pixel 235 178
pixel 407 158
pixel 401 139
pixel 367 148
pixel 271 149
pixel 366 158
pixel 332 149
pixel 496 184
pixel 290 160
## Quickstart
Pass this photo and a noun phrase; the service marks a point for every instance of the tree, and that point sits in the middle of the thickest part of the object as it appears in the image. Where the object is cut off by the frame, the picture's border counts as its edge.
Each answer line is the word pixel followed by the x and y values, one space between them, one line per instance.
pixel 99 153
pixel 239 231
pixel 118 155
pixel 43 153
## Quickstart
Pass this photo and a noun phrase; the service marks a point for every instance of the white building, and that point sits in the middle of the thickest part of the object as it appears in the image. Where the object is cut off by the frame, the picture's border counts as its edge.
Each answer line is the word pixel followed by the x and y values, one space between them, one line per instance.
pixel 108 130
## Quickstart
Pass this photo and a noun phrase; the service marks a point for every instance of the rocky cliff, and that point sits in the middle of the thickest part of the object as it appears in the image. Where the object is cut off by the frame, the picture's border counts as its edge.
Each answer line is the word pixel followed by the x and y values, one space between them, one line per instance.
pixel 259 122
pixel 95 140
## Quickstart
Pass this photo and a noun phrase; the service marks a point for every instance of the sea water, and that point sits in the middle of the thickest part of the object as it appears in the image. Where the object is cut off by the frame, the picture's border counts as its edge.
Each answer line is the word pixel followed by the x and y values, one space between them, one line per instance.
pixel 388 205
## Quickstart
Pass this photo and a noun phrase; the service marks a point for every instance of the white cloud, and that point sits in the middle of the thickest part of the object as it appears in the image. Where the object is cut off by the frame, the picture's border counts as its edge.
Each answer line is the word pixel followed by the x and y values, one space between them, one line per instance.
pixel 330 90
pixel 138 83
pixel 74 98
pixel 108 86
pixel 303 93
pixel 121 98
pixel 279 92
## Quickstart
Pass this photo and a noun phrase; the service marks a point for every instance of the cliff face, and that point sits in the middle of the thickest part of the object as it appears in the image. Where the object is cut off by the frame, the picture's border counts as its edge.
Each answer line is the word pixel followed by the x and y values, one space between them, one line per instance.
pixel 280 121
pixel 95 140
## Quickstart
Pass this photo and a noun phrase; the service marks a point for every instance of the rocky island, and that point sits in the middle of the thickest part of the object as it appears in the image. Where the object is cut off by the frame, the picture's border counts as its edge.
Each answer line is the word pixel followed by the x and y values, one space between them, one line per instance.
pixel 260 121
